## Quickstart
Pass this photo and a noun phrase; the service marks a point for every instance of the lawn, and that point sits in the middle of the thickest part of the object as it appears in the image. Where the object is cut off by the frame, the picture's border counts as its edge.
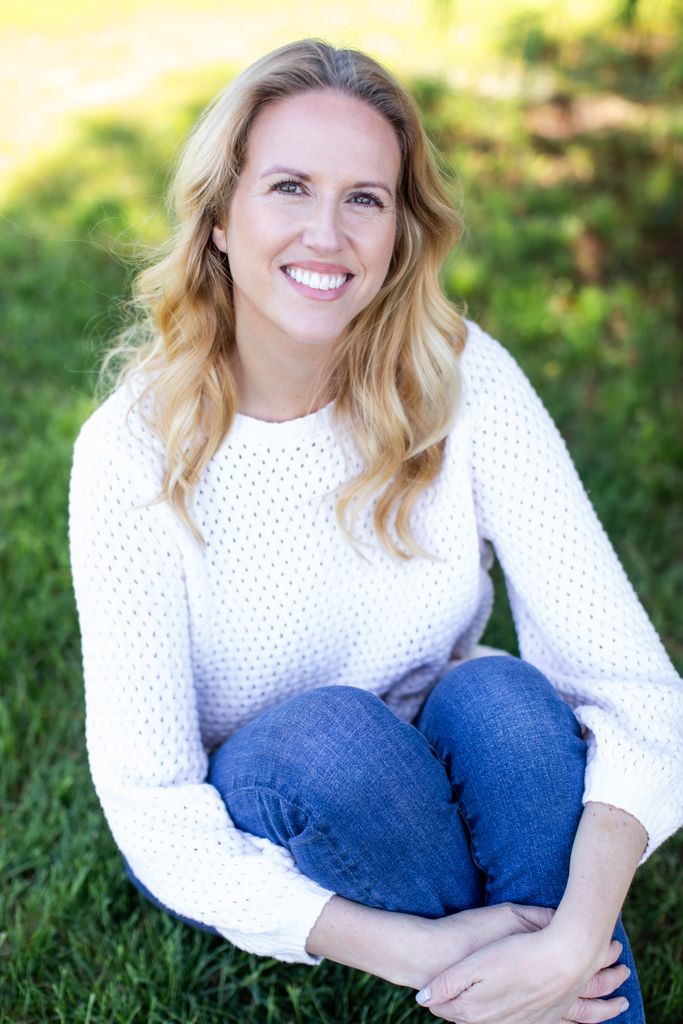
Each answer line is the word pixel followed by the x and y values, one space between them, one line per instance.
pixel 573 195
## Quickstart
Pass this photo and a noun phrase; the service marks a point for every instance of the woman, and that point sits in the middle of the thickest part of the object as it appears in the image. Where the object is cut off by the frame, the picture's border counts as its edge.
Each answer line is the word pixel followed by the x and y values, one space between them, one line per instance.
pixel 291 729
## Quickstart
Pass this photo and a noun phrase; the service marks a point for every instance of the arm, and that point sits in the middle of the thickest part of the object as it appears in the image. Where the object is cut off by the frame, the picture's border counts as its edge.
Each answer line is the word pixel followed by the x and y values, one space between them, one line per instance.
pixel 608 847
pixel 578 619
pixel 380 942
pixel 564 963
pixel 409 950
pixel 580 622
pixel 145 750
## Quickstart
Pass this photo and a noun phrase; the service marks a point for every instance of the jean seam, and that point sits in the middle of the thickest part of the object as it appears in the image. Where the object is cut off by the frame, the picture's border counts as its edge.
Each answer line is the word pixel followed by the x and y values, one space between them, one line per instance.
pixel 457 788
pixel 321 830
pixel 473 845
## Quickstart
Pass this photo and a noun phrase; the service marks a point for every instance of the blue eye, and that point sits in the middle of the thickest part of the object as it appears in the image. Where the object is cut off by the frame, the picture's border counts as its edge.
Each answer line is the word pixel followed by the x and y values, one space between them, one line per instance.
pixel 368 195
pixel 279 186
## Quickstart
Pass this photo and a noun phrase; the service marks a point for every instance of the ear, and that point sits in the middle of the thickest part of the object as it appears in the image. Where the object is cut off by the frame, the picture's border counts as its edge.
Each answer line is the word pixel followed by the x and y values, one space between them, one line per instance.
pixel 219 239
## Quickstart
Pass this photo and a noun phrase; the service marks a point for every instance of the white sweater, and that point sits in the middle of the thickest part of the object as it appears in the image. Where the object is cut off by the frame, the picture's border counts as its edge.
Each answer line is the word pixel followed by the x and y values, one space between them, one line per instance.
pixel 182 646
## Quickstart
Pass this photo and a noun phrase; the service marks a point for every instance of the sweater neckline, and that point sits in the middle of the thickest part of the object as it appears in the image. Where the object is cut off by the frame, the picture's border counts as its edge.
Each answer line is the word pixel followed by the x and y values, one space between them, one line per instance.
pixel 249 428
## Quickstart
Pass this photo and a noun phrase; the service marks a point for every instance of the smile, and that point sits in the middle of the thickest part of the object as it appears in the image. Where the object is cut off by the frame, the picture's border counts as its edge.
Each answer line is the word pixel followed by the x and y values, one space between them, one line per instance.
pixel 327 286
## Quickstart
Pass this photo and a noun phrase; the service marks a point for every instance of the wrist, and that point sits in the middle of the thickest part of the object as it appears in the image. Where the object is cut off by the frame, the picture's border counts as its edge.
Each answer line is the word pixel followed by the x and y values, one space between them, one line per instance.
pixel 582 945
pixel 417 959
pixel 388 944
pixel 409 955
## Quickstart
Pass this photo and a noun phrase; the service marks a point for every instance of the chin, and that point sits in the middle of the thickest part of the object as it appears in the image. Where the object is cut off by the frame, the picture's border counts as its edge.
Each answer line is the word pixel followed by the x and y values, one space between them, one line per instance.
pixel 313 337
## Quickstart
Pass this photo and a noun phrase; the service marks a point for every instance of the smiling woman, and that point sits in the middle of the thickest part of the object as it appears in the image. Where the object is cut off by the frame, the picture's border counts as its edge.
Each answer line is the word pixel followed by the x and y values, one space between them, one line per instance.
pixel 291 310
pixel 282 525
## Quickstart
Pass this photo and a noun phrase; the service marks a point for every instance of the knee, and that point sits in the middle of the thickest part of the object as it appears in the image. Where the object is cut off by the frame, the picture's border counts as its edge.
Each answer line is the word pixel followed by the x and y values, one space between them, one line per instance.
pixel 505 701
pixel 507 740
pixel 327 702
pixel 308 742
pixel 331 719
pixel 483 685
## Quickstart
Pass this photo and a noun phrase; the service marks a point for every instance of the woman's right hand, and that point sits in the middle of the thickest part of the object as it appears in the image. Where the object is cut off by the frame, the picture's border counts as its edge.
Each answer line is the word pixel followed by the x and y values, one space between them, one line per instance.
pixel 447 940
pixel 406 949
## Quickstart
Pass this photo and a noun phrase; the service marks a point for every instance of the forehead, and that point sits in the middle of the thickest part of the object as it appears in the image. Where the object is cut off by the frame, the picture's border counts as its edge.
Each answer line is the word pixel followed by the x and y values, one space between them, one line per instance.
pixel 323 130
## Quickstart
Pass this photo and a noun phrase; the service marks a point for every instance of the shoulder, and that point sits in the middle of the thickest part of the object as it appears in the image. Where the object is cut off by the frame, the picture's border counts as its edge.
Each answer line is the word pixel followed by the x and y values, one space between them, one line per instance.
pixel 484 359
pixel 117 460
pixel 119 433
pixel 492 378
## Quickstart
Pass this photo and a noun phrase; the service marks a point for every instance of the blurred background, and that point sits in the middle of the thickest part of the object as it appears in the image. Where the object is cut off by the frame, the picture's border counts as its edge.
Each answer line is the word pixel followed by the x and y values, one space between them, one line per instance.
pixel 561 130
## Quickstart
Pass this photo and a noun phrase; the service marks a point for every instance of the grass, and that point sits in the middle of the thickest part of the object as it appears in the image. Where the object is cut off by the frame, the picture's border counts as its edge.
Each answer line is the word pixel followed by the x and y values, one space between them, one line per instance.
pixel 573 260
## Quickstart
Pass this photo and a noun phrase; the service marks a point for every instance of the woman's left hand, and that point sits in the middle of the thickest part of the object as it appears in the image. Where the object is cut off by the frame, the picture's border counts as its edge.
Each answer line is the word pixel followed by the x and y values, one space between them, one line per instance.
pixel 528 979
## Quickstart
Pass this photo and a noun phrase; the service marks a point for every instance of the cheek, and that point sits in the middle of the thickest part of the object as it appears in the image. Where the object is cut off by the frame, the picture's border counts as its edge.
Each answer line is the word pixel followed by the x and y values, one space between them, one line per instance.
pixel 387 246
pixel 376 240
pixel 266 231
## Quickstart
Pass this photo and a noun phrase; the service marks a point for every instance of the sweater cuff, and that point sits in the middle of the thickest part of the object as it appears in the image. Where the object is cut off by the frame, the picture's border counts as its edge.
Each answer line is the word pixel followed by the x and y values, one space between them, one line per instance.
pixel 290 946
pixel 658 810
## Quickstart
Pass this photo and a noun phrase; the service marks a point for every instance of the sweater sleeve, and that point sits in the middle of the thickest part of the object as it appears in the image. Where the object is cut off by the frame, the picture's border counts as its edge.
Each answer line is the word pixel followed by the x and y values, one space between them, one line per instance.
pixel 577 616
pixel 146 757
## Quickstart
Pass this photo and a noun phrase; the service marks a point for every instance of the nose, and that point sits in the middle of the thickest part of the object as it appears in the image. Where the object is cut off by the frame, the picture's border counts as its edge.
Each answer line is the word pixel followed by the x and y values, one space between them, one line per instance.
pixel 323 229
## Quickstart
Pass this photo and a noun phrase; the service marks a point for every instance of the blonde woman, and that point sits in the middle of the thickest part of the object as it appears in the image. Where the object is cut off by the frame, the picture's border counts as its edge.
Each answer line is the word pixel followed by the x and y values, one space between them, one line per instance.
pixel 282 521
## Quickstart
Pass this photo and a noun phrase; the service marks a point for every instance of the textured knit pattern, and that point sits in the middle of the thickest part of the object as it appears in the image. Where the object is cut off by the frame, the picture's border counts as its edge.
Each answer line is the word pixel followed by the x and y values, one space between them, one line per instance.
pixel 182 646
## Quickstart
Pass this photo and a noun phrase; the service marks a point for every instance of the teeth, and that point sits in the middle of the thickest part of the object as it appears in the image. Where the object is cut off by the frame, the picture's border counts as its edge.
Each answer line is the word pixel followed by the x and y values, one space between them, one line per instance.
pixel 322 282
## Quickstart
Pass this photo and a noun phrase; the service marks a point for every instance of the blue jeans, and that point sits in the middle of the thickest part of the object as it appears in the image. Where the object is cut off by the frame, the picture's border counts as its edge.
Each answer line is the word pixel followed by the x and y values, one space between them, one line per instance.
pixel 476 802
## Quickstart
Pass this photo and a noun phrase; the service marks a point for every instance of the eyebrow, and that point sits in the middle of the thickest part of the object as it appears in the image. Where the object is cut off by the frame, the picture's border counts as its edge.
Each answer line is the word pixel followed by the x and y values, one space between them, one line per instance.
pixel 277 169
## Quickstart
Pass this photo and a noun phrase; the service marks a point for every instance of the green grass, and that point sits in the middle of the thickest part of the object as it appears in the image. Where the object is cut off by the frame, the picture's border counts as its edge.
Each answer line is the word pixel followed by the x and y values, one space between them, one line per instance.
pixel 573 260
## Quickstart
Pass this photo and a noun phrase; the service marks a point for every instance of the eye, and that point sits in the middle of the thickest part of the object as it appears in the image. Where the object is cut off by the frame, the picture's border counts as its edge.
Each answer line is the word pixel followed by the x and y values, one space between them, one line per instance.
pixel 288 186
pixel 278 185
pixel 368 195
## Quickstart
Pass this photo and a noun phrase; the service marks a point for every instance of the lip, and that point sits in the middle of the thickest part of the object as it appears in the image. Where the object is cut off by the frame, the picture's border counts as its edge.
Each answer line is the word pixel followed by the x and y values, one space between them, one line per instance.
pixel 321 268
pixel 316 293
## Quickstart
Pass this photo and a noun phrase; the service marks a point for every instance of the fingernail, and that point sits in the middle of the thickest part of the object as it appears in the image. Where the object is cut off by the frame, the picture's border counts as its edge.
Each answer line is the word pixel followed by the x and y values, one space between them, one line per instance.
pixel 624 1005
pixel 628 972
pixel 424 995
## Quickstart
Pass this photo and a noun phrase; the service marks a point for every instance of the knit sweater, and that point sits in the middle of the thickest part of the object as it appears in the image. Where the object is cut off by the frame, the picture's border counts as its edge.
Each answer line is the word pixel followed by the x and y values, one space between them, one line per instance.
pixel 183 645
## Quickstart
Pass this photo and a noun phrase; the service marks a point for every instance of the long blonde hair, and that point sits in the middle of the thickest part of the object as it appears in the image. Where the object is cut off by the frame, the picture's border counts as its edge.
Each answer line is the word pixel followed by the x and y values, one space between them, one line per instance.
pixel 395 381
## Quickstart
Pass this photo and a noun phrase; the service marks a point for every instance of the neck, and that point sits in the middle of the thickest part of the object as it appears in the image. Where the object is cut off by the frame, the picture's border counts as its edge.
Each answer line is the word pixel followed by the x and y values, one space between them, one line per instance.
pixel 277 387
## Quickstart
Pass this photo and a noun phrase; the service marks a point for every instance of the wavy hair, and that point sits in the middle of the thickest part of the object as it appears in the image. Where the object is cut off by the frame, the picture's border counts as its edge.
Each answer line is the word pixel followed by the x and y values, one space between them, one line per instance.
pixel 395 381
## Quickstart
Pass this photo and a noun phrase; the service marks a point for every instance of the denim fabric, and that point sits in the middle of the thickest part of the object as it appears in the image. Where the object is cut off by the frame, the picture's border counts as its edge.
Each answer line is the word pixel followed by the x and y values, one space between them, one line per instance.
pixel 476 802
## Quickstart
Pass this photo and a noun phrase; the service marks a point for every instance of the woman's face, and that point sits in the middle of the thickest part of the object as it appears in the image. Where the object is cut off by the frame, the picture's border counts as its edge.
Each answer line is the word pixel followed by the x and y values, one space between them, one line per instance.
pixel 317 193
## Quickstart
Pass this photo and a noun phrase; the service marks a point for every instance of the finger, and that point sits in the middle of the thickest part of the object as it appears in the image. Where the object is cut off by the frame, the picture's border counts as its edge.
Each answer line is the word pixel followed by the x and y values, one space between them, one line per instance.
pixel 539 917
pixel 447 985
pixel 606 981
pixel 590 1011
pixel 614 951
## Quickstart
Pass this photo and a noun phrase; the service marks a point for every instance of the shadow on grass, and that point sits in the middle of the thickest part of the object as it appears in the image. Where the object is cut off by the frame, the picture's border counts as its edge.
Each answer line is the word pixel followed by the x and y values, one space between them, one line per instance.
pixel 572 259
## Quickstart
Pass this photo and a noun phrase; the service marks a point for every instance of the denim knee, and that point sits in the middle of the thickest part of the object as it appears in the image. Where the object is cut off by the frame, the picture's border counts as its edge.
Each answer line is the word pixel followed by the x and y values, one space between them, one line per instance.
pixel 305 745
pixel 516 759
pixel 504 701
pixel 356 796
